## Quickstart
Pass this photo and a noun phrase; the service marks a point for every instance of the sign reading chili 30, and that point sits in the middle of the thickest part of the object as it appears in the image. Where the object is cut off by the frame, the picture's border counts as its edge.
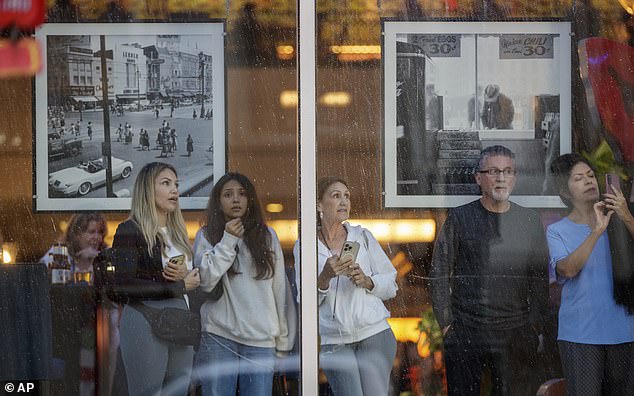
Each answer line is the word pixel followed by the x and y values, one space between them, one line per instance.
pixel 526 46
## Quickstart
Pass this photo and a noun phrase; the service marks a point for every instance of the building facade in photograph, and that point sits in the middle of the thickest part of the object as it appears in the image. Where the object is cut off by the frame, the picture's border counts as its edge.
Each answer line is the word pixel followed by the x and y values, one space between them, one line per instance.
pixel 72 78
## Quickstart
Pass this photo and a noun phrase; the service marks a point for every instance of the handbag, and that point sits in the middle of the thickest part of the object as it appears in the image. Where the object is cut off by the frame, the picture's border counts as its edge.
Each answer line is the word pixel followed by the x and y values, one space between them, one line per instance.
pixel 180 326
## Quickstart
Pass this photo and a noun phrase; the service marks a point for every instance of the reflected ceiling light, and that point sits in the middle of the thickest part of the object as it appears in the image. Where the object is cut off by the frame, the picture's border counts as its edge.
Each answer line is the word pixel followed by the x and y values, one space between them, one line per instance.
pixel 285 52
pixel 352 53
pixel 3 138
pixel 628 5
pixel 335 99
pixel 274 207
pixel 16 141
pixel 288 99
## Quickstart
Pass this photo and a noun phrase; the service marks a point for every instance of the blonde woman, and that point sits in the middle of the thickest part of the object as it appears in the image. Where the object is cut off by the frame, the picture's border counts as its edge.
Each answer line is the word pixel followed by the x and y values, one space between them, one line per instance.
pixel 142 248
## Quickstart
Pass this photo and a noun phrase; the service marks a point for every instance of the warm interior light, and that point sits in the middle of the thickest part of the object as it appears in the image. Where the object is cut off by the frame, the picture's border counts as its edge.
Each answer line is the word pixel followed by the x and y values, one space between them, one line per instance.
pixel 288 99
pixel 356 49
pixel 628 6
pixel 384 230
pixel 335 99
pixel 356 53
pixel 274 207
pixel 405 329
pixel 9 252
pixel 285 52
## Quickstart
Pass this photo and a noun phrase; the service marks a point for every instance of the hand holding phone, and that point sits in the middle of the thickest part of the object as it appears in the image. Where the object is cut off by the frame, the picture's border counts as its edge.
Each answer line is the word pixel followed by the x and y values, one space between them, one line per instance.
pixel 177 260
pixel 612 183
pixel 350 250
pixel 176 269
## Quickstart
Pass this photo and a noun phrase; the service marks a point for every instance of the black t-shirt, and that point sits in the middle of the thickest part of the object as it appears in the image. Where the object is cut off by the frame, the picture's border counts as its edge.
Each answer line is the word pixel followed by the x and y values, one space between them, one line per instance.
pixel 490 269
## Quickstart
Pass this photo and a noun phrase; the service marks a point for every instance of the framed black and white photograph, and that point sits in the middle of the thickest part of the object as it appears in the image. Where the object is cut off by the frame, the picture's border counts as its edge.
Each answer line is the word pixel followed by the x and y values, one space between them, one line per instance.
pixel 452 89
pixel 120 96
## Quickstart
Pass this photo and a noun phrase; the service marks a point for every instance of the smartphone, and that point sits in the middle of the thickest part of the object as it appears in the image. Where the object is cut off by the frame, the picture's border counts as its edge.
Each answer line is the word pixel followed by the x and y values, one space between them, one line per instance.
pixel 612 179
pixel 350 248
pixel 178 260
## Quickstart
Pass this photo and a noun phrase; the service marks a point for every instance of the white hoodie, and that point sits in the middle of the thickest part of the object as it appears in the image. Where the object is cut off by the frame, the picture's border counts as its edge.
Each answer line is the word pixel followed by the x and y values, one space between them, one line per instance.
pixel 250 311
pixel 358 313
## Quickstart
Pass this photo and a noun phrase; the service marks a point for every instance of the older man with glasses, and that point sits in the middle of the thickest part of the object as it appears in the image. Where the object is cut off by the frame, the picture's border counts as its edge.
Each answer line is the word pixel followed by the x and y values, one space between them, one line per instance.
pixel 489 285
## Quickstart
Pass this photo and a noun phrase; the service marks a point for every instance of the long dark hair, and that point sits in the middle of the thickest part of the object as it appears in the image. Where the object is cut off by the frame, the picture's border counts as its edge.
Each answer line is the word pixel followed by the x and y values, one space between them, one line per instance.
pixel 256 234
pixel 561 168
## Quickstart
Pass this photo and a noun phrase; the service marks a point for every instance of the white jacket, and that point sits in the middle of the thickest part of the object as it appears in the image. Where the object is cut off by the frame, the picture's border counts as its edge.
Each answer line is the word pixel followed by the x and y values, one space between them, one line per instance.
pixel 358 313
pixel 250 311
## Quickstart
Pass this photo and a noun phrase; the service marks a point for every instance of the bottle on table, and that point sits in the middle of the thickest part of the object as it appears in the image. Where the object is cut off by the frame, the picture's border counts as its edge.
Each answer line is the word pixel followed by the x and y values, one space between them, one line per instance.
pixel 60 266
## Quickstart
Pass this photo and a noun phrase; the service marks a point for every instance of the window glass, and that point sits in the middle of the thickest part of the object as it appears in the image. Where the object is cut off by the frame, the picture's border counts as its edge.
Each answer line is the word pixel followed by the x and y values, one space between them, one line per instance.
pixel 397 245
pixel 446 96
pixel 258 71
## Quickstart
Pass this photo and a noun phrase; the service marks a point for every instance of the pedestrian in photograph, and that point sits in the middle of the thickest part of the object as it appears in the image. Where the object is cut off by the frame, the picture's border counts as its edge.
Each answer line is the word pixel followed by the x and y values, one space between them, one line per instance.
pixel 173 139
pixel 78 128
pixel 208 115
pixel 190 145
pixel 357 344
pixel 119 133
pixel 596 334
pixel 497 110
pixel 72 129
pixel 194 115
pixel 171 110
pixel 146 276
pixel 156 112
pixel 89 130
pixel 489 285
pixel 244 320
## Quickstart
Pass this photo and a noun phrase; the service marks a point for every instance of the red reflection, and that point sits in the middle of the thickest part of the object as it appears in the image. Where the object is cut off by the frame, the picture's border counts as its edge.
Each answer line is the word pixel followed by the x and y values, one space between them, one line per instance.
pixel 611 77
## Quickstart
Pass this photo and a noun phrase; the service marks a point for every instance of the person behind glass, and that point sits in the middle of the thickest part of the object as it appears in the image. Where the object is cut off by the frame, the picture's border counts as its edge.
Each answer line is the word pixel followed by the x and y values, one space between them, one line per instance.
pixel 242 264
pixel 142 247
pixel 595 333
pixel 489 285
pixel 497 110
pixel 84 239
pixel 357 344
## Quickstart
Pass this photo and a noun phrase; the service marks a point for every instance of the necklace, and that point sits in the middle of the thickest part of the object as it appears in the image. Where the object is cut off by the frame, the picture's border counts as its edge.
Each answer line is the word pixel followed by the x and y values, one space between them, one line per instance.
pixel 323 238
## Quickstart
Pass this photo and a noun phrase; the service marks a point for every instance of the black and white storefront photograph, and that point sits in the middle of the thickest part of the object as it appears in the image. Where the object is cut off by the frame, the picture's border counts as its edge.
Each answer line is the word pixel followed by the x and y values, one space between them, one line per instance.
pixel 452 89
pixel 120 96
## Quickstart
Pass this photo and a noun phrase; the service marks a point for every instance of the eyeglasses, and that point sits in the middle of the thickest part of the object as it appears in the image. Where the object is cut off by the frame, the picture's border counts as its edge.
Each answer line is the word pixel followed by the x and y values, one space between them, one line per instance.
pixel 508 172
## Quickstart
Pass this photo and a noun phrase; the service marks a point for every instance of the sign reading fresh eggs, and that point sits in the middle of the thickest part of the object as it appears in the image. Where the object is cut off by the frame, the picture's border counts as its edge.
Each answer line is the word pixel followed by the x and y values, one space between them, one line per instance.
pixel 526 46
pixel 438 45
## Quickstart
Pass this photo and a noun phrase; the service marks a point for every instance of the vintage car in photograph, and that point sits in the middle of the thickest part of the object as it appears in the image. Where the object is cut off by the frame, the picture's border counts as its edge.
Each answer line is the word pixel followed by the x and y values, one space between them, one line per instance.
pixel 60 146
pixel 83 178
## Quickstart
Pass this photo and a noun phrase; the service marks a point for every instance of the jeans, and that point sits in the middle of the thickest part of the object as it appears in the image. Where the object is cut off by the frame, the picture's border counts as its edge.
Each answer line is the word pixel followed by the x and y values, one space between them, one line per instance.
pixel 223 365
pixel 153 366
pixel 361 368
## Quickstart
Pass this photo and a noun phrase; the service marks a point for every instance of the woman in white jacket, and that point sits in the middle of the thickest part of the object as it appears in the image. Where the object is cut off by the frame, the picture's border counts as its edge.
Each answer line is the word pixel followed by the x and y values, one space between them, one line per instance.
pixel 242 267
pixel 357 344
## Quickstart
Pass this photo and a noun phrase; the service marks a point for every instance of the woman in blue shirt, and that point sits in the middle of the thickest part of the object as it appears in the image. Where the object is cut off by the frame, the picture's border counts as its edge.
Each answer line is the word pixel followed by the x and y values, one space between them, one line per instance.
pixel 595 333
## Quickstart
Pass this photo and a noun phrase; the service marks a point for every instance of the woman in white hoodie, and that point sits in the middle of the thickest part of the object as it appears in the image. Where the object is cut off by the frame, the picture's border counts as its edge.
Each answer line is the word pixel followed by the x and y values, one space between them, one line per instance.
pixel 242 268
pixel 357 344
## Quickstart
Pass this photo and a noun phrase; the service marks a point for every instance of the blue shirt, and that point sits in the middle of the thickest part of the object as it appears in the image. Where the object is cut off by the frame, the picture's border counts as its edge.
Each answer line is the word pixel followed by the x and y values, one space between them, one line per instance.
pixel 588 313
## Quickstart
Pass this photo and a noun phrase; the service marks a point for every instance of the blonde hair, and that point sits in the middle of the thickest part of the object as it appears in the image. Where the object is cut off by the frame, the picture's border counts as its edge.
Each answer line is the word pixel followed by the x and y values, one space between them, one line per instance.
pixel 143 212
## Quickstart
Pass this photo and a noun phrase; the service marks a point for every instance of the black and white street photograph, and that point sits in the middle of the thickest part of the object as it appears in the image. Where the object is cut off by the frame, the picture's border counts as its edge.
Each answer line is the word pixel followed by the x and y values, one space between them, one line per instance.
pixel 453 89
pixel 124 95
